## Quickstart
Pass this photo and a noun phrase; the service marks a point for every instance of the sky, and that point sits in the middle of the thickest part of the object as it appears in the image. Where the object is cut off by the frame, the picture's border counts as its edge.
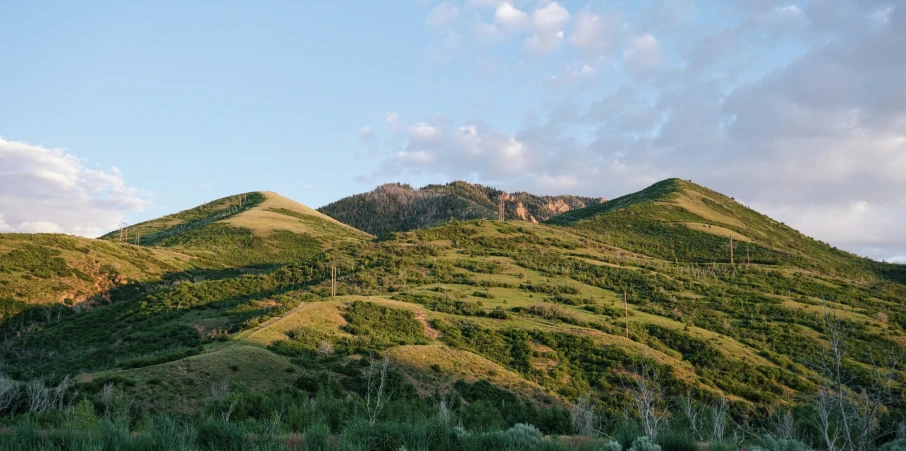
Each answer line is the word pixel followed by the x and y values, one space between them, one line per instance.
pixel 124 111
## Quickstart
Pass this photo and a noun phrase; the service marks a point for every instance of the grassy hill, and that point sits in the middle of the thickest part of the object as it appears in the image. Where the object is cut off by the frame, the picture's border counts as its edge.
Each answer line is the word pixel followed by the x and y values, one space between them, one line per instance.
pixel 508 322
pixel 399 207
pixel 37 269
pixel 253 228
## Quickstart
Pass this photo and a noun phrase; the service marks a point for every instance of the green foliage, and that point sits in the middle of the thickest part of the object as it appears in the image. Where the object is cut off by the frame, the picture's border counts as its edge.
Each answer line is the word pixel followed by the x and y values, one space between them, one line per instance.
pixel 384 325
pixel 611 445
pixel 155 231
pixel 644 444
pixel 896 445
pixel 673 440
pixel 770 443
pixel 317 438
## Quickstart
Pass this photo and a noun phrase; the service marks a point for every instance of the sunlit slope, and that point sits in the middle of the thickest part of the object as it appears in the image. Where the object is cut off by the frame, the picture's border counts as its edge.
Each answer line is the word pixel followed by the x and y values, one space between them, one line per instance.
pixel 245 229
pixel 51 268
pixel 678 220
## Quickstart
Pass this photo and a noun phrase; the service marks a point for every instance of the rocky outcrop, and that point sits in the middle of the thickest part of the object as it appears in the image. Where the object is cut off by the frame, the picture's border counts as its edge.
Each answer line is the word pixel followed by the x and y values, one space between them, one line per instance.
pixel 523 214
pixel 558 206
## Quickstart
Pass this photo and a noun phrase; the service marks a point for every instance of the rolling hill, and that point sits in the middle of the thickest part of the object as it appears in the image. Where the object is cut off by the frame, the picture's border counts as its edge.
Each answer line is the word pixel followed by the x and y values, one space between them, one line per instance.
pixel 244 229
pixel 399 207
pixel 720 301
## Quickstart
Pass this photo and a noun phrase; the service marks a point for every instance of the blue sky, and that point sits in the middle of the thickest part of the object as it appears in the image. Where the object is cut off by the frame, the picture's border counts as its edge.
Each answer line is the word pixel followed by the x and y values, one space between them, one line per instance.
pixel 116 111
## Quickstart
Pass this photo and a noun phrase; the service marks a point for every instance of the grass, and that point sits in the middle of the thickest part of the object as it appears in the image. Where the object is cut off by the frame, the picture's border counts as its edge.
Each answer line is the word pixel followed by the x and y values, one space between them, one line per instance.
pixel 183 385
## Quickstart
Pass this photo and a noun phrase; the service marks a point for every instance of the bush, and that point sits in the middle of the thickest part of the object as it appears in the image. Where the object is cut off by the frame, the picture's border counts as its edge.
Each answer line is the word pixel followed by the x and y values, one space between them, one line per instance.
pixel 896 445
pixel 676 441
pixel 524 436
pixel 777 444
pixel 612 445
pixel 215 434
pixel 482 415
pixel 625 433
pixel 644 444
pixel 722 446
pixel 317 438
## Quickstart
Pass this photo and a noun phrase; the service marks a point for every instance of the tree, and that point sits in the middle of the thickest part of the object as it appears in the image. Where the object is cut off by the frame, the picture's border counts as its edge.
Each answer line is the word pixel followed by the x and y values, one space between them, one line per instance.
pixel 647 399
pixel 847 412
pixel 375 398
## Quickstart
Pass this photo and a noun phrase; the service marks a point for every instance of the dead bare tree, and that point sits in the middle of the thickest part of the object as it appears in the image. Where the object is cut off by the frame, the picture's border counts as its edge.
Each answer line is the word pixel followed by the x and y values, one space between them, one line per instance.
pixel 647 398
pixel 9 393
pixel 583 416
pixel 784 425
pixel 719 419
pixel 847 414
pixel 375 398
pixel 693 416
pixel 40 398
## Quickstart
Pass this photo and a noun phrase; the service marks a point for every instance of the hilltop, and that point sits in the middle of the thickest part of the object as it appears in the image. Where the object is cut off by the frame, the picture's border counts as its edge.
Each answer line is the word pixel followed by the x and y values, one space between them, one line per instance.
pixel 243 229
pixel 536 316
pixel 396 207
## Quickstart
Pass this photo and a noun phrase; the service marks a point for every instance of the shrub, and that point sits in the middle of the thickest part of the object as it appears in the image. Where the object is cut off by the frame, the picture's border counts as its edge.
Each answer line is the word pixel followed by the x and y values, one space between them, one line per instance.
pixel 644 444
pixel 896 445
pixel 317 438
pixel 676 441
pixel 524 436
pixel 612 445
pixel 215 434
pixel 777 444
pixel 722 446
pixel 625 433
pixel 482 415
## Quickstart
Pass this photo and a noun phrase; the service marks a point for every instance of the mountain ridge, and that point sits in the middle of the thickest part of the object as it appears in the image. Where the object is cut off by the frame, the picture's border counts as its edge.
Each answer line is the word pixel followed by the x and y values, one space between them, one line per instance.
pixel 397 207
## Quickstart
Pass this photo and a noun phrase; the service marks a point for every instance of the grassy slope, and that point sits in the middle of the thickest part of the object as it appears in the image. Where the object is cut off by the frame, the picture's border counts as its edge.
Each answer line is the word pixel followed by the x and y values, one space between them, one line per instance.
pixel 247 229
pixel 46 268
pixel 742 331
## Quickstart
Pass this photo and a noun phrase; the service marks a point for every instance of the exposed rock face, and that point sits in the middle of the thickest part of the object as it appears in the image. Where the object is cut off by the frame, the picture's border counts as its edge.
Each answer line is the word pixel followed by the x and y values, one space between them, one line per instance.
pixel 523 214
pixel 558 206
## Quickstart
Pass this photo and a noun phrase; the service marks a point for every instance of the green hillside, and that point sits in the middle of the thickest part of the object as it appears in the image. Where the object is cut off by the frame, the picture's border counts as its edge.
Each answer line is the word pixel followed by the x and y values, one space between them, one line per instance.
pixel 246 229
pixel 39 269
pixel 500 322
pixel 399 207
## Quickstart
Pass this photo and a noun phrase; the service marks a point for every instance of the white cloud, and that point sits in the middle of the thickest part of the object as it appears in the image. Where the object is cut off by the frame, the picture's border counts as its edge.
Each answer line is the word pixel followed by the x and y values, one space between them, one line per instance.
pixel 509 18
pixel 644 52
pixel 576 75
pixel 443 16
pixel 548 23
pixel 392 119
pixel 595 34
pixel 49 190
pixel 366 135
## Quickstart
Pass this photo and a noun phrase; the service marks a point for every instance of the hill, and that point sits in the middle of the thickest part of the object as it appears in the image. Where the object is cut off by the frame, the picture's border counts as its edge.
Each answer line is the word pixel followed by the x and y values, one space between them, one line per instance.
pixel 37 269
pixel 244 229
pixel 502 322
pixel 680 221
pixel 398 207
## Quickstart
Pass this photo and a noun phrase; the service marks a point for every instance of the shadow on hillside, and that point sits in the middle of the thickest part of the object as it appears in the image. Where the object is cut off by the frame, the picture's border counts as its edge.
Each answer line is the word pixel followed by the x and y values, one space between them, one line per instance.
pixel 146 323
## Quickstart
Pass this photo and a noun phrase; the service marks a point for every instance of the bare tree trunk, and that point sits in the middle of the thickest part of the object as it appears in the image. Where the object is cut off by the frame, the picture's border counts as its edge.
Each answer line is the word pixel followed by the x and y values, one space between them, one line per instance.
pixel 648 400
pixel 375 398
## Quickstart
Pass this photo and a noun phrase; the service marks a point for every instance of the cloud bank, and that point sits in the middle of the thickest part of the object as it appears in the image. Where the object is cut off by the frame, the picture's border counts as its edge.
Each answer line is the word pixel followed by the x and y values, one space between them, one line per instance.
pixel 50 191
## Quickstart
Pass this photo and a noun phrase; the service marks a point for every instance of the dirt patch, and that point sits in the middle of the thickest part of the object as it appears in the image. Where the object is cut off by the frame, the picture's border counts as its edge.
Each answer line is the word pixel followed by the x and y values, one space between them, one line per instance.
pixel 431 332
